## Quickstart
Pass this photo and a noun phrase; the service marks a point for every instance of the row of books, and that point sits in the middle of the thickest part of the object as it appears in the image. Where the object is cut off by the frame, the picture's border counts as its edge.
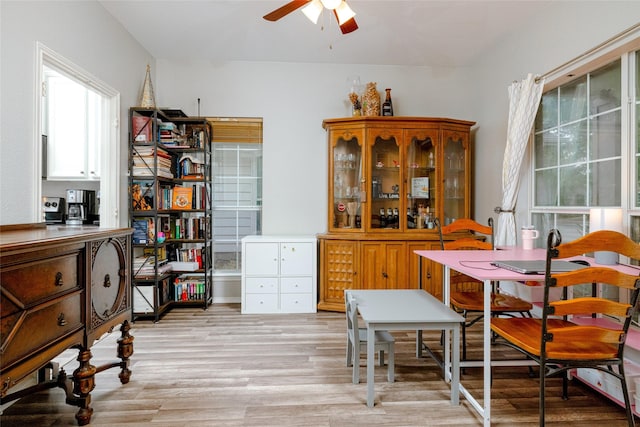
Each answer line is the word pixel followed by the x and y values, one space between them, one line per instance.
pixel 189 228
pixel 168 133
pixel 190 255
pixel 191 166
pixel 189 288
pixel 192 196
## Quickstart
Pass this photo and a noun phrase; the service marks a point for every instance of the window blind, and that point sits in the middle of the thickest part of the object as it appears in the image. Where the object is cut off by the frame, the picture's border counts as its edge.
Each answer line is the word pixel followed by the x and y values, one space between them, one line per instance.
pixel 236 129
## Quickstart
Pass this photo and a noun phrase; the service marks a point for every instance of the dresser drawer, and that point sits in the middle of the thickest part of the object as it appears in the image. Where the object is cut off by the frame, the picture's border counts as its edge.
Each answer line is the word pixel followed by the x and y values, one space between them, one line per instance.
pixel 296 303
pixel 261 285
pixel 261 303
pixel 295 285
pixel 40 327
pixel 35 281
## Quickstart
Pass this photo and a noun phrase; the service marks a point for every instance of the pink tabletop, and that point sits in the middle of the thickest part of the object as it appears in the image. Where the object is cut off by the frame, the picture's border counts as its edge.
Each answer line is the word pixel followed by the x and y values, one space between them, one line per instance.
pixel 477 263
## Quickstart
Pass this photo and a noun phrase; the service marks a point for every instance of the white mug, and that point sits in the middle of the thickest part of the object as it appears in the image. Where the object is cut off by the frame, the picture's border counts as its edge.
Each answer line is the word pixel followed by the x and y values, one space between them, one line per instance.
pixel 529 234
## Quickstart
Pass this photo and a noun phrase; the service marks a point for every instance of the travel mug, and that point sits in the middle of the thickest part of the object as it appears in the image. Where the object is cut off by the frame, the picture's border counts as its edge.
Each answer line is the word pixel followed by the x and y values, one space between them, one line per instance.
pixel 529 234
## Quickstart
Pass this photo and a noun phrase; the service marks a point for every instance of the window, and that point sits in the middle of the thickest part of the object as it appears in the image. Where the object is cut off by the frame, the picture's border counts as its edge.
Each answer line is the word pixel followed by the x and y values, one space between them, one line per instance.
pixel 579 141
pixel 582 151
pixel 237 189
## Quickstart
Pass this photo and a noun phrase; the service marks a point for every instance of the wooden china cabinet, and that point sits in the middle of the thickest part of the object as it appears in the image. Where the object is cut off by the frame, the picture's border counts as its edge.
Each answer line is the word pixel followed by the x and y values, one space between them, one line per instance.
pixel 389 178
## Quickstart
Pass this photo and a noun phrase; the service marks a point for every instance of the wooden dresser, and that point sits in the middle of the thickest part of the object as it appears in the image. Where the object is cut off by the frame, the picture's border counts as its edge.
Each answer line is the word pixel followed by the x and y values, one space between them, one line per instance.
pixel 62 287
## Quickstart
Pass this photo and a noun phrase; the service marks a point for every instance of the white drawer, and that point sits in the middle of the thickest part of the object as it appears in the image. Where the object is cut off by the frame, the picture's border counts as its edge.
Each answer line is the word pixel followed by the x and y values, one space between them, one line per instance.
pixel 261 285
pixel 297 303
pixel 294 285
pixel 260 303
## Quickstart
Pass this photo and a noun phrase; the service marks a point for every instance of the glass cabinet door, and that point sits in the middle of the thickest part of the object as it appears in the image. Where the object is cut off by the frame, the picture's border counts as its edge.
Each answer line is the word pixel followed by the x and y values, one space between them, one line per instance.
pixel 455 177
pixel 386 182
pixel 347 179
pixel 421 180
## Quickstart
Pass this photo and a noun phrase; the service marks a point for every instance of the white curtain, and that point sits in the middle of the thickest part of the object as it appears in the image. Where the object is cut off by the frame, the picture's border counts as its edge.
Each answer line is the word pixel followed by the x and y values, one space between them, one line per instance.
pixel 524 98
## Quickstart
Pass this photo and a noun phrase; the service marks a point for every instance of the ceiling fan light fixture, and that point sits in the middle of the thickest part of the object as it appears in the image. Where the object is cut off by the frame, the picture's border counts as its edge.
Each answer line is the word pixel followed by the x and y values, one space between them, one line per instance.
pixel 313 10
pixel 344 13
pixel 331 4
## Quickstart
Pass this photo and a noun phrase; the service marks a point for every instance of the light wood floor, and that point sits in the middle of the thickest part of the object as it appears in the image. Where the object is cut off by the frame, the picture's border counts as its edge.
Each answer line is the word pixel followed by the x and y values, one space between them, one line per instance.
pixel 221 368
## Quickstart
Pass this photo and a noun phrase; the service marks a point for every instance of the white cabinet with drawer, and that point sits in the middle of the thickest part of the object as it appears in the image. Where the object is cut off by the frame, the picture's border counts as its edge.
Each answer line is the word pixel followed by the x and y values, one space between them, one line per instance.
pixel 279 274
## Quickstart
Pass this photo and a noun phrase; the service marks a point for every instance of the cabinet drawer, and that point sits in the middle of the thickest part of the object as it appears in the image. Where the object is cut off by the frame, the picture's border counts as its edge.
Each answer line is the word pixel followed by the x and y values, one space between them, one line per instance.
pixel 40 327
pixel 289 285
pixel 296 303
pixel 35 281
pixel 261 285
pixel 261 303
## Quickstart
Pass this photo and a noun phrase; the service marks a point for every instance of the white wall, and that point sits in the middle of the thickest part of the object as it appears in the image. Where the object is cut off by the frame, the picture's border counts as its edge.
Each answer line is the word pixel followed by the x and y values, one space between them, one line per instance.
pixel 293 99
pixel 84 33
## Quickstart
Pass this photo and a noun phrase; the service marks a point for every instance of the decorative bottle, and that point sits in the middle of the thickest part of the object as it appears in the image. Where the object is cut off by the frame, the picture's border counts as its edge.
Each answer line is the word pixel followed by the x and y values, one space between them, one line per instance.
pixel 387 106
pixel 371 100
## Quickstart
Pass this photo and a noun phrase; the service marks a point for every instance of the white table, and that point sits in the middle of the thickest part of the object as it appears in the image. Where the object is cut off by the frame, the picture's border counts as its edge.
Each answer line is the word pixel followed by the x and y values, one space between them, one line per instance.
pixel 407 309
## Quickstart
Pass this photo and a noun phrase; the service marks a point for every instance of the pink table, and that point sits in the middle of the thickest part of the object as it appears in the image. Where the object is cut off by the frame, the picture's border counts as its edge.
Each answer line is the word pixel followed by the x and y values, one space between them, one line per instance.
pixel 477 264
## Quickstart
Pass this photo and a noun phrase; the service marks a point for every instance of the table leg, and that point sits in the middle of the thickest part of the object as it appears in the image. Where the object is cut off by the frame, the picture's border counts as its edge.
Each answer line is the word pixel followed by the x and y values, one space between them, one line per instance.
pixel 371 341
pixel 455 367
pixel 446 299
pixel 487 352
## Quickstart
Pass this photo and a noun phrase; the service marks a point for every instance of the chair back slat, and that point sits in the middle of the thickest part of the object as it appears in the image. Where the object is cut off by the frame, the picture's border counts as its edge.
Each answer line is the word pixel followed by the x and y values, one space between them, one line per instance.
pixel 596 275
pixel 604 240
pixel 467 243
pixel 584 336
pixel 589 306
pixel 351 310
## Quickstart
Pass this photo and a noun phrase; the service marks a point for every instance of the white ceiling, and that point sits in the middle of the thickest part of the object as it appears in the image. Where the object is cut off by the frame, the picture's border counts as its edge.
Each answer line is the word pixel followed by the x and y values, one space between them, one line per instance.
pixel 439 33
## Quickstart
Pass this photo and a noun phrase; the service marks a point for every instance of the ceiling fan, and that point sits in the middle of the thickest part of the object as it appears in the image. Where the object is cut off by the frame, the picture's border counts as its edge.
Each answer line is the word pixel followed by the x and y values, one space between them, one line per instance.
pixel 312 10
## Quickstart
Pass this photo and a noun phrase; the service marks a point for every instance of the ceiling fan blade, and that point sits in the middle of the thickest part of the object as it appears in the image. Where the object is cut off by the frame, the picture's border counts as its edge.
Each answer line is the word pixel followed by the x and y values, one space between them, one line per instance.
pixel 283 11
pixel 348 26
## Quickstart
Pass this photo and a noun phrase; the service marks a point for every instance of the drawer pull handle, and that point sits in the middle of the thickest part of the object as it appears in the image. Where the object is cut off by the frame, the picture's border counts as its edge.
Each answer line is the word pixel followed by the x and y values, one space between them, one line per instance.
pixel 61 320
pixel 59 281
pixel 107 281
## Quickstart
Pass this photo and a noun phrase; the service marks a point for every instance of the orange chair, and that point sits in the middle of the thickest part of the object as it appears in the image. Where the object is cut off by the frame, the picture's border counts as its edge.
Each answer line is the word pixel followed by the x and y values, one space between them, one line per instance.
pixel 467 296
pixel 578 332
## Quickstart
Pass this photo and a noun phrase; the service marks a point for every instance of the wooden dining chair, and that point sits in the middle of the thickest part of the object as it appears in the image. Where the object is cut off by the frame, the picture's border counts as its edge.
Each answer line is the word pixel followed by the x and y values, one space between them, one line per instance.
pixel 357 342
pixel 467 296
pixel 578 332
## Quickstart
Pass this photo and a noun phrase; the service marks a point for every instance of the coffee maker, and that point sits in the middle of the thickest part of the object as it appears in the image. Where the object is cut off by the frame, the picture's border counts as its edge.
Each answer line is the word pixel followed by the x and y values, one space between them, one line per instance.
pixel 54 209
pixel 81 207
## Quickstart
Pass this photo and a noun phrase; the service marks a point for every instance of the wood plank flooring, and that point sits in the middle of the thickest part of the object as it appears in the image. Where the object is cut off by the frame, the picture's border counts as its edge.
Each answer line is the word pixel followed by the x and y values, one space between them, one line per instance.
pixel 221 368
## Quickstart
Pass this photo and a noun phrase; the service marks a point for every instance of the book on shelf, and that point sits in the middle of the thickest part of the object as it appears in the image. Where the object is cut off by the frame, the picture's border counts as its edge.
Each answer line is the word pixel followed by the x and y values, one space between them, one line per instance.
pixel 182 197
pixel 143 231
pixel 142 195
pixel 141 128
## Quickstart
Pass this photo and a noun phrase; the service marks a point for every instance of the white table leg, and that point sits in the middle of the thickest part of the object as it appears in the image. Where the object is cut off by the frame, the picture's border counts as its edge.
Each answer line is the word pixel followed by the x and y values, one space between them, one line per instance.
pixel 371 341
pixel 446 299
pixel 487 353
pixel 455 368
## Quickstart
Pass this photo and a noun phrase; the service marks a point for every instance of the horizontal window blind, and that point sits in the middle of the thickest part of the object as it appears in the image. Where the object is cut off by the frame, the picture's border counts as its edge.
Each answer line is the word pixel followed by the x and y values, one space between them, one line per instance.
pixel 236 129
